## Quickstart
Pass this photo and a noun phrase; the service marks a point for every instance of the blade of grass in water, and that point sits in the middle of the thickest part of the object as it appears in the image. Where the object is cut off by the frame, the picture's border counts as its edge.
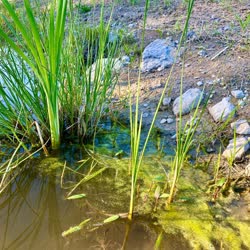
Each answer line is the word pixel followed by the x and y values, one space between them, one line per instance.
pixel 136 156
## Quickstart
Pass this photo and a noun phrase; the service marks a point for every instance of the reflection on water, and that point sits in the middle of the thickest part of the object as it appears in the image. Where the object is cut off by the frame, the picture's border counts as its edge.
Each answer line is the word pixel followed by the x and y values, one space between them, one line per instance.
pixel 34 213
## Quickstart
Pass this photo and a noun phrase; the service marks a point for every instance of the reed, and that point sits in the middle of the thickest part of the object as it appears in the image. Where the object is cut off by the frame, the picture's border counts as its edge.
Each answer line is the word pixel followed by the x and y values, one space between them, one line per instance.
pixel 46 78
pixel 42 53
pixel 137 154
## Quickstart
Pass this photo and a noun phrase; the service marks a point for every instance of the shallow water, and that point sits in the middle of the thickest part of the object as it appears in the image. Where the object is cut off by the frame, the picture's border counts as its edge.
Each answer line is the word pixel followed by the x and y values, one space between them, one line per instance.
pixel 34 211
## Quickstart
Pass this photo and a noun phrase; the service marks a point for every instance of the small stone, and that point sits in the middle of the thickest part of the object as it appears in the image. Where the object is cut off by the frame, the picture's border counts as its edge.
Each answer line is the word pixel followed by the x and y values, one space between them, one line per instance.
pixel 217 81
pixel 241 126
pixel 200 83
pixel 238 94
pixel 191 35
pixel 222 110
pixel 210 150
pixel 202 53
pixel 173 136
pixel 131 25
pixel 190 99
pixel 145 105
pixel 102 65
pixel 163 121
pixel 166 101
pixel 170 120
pixel 210 82
pixel 125 60
pixel 145 115
pixel 236 148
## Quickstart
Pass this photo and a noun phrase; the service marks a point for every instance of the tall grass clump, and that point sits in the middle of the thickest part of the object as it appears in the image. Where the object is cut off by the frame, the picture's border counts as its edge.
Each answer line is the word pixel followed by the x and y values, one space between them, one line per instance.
pixel 90 74
pixel 42 53
pixel 54 72
pixel 136 120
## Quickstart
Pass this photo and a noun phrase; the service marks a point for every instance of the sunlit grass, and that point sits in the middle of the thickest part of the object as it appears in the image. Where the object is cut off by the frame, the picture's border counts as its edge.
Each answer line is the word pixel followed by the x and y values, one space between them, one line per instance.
pixel 46 78
pixel 136 120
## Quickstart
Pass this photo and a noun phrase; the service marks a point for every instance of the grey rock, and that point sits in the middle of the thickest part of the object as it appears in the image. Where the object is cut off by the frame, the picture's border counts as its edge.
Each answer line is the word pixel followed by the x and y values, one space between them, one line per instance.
pixel 170 120
pixel 236 149
pixel 158 55
pixel 125 60
pixel 238 94
pixel 191 35
pixel 202 53
pixel 132 25
pixel 200 83
pixel 103 64
pixel 226 28
pixel 145 115
pixel 210 82
pixel 163 121
pixel 166 101
pixel 222 110
pixel 210 150
pixel 241 126
pixel 190 100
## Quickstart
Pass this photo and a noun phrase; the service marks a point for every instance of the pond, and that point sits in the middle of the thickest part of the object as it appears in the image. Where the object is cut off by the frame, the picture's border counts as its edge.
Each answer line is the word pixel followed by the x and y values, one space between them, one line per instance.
pixel 35 211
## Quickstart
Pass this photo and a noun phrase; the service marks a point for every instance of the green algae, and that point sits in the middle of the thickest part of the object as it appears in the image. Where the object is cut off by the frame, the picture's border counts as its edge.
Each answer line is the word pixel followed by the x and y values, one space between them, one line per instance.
pixel 205 225
pixel 50 165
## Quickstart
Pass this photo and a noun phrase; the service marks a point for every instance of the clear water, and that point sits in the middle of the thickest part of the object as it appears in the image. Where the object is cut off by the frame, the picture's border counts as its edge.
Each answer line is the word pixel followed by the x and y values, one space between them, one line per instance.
pixel 34 211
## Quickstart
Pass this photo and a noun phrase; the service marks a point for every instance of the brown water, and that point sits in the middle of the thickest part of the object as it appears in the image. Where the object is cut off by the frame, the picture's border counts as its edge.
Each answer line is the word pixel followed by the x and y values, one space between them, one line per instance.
pixel 34 211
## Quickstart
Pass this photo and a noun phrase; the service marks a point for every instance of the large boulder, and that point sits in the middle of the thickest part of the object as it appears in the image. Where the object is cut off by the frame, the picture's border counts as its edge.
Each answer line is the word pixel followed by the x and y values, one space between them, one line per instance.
pixel 158 55
pixel 190 100
pixel 222 110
